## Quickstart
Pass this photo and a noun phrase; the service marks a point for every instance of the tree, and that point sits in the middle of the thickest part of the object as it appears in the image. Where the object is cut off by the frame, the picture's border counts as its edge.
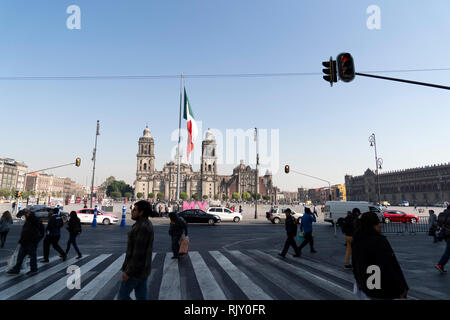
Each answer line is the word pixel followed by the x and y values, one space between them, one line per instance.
pixel 195 196
pixel 225 197
pixel 266 197
pixel 184 195
pixel 205 196
pixel 236 196
pixel 139 195
pixel 128 195
pixel 258 196
pixel 246 196
pixel 151 195
pixel 116 195
pixel 216 197
pixel 160 195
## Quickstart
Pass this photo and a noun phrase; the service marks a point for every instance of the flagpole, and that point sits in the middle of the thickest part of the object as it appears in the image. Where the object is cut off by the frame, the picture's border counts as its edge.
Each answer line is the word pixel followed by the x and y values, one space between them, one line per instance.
pixel 179 138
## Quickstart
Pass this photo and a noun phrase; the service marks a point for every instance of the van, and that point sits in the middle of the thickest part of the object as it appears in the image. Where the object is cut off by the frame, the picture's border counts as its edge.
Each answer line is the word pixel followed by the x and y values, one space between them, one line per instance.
pixel 335 210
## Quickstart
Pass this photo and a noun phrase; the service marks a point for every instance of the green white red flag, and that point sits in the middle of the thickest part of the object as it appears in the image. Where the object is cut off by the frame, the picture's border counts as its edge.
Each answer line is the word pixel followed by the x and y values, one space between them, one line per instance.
pixel 191 124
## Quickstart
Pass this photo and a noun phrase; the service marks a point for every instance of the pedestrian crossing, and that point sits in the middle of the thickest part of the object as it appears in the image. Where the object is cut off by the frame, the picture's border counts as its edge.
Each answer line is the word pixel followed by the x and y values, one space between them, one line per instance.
pixel 208 275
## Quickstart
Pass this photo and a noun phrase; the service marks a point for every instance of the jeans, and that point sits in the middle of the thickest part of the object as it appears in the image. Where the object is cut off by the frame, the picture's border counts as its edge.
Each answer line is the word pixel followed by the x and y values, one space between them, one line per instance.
pixel 176 245
pixel 3 237
pixel 446 254
pixel 52 240
pixel 73 241
pixel 290 241
pixel 308 239
pixel 29 250
pixel 138 285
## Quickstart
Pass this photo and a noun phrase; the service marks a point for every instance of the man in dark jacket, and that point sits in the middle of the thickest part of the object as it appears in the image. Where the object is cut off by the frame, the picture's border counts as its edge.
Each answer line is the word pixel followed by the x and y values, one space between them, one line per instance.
pixel 138 260
pixel 348 228
pixel 53 234
pixel 32 232
pixel 291 232
pixel 371 251
pixel 176 229
pixel 444 225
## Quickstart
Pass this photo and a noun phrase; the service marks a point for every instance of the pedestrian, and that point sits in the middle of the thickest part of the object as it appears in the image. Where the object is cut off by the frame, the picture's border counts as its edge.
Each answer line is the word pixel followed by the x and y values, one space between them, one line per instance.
pixel 5 221
pixel 444 234
pixel 74 228
pixel 315 212
pixel 159 210
pixel 13 207
pixel 176 229
pixel 240 209
pixel 32 232
pixel 306 227
pixel 348 228
pixel 53 234
pixel 291 233
pixel 432 224
pixel 85 207
pixel 138 260
pixel 370 248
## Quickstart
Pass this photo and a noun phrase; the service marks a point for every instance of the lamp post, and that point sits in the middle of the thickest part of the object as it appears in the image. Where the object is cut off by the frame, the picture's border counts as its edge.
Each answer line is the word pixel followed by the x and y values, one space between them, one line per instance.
pixel 378 163
pixel 94 157
pixel 256 175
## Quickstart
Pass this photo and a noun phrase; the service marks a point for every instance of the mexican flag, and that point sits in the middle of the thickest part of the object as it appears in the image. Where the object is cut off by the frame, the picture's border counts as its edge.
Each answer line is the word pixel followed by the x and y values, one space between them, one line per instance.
pixel 191 125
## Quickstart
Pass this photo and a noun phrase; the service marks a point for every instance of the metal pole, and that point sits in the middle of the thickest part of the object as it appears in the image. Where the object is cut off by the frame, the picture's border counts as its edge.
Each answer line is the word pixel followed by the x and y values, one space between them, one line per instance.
pixel 376 163
pixel 179 139
pixel 405 81
pixel 97 133
pixel 256 178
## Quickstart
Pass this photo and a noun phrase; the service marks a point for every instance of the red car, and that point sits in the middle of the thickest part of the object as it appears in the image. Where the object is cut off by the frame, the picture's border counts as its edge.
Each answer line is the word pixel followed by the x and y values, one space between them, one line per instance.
pixel 398 216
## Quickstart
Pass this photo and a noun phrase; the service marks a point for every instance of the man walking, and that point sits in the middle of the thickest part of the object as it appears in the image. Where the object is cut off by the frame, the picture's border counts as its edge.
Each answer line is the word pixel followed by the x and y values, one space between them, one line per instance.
pixel 291 232
pixel 444 225
pixel 432 224
pixel 138 260
pixel 176 229
pixel 32 232
pixel 348 228
pixel 306 227
pixel 53 231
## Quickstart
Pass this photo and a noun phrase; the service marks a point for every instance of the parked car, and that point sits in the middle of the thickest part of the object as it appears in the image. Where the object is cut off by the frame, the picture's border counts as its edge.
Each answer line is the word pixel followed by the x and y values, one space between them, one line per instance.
pixel 87 216
pixel 277 215
pixel 336 211
pixel 398 216
pixel 404 204
pixel 225 214
pixel 41 211
pixel 199 216
pixel 385 203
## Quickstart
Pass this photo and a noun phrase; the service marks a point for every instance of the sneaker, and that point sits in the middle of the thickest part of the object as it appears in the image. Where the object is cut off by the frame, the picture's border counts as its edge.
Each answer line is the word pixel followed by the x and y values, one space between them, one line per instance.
pixel 348 266
pixel 31 273
pixel 80 256
pixel 45 261
pixel 281 255
pixel 12 271
pixel 440 268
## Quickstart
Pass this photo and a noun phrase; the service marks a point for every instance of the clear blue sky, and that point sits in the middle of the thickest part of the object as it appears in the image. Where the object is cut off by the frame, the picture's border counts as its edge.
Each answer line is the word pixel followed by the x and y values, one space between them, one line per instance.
pixel 323 131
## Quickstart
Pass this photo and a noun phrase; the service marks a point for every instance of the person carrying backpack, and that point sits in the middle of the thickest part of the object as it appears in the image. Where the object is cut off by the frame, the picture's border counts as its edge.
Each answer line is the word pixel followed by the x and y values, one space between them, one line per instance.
pixel 348 228
pixel 444 234
pixel 53 234
pixel 32 232
pixel 74 228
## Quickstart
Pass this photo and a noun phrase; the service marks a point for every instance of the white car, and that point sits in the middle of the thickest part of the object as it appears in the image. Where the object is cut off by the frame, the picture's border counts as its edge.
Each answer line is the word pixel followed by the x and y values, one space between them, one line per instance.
pixel 87 216
pixel 225 214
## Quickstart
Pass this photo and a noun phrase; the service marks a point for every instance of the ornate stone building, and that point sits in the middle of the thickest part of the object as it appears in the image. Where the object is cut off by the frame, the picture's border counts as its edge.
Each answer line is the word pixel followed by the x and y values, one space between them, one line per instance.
pixel 207 182
pixel 422 186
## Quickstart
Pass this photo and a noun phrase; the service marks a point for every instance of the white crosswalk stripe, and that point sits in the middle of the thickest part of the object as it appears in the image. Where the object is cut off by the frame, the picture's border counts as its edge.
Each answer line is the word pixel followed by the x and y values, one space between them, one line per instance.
pixel 6 277
pixel 26 263
pixel 251 290
pixel 61 284
pixel 259 275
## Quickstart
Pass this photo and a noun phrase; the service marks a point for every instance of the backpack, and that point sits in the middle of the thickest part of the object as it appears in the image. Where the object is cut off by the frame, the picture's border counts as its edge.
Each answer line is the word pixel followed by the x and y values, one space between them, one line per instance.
pixel 347 225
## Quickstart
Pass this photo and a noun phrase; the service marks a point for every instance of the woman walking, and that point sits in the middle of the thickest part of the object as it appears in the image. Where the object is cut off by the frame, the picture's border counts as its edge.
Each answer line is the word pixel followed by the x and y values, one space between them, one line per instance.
pixel 176 229
pixel 74 228
pixel 5 221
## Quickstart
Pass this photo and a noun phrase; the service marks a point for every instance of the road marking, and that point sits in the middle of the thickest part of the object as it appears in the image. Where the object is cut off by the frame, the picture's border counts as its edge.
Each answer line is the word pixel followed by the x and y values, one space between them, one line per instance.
pixel 208 285
pixel 25 284
pixel 26 262
pixel 251 290
pixel 170 284
pixel 61 284
pixel 271 273
pixel 319 281
pixel 6 277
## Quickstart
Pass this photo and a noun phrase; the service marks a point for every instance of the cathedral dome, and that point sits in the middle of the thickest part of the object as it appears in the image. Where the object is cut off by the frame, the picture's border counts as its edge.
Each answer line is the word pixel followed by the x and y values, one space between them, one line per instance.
pixel 209 135
pixel 146 131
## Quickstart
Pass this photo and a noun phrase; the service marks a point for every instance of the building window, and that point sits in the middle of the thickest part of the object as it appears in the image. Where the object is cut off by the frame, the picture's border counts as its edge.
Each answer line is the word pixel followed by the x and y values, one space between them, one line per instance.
pixel 145 166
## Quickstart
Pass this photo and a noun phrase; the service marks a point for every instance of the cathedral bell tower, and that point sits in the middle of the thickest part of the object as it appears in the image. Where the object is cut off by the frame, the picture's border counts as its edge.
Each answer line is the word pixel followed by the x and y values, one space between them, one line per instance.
pixel 209 166
pixel 145 163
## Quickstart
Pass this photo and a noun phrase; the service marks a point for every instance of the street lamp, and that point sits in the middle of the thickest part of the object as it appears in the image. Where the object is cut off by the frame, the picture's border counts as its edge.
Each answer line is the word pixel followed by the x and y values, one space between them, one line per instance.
pixel 378 162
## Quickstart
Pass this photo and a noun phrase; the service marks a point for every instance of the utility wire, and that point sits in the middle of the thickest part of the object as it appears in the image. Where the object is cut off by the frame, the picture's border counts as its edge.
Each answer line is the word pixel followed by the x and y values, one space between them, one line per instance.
pixel 195 76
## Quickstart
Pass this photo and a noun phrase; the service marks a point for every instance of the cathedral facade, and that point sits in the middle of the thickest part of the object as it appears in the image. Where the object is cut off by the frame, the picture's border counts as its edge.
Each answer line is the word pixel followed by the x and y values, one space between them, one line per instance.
pixel 205 184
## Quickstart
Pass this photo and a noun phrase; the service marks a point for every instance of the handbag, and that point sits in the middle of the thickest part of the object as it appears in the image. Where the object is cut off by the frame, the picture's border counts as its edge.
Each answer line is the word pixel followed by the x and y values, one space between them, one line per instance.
pixel 184 245
pixel 300 237
pixel 13 259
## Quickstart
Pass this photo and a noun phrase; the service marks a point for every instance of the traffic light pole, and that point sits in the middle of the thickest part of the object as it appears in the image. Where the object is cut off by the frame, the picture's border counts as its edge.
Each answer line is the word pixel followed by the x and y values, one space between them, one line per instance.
pixel 64 165
pixel 403 80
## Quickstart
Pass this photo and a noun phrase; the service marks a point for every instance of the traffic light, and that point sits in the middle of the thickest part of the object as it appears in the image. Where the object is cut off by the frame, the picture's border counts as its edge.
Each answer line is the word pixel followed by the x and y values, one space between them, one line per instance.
pixel 19 194
pixel 286 168
pixel 330 71
pixel 77 162
pixel 346 67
